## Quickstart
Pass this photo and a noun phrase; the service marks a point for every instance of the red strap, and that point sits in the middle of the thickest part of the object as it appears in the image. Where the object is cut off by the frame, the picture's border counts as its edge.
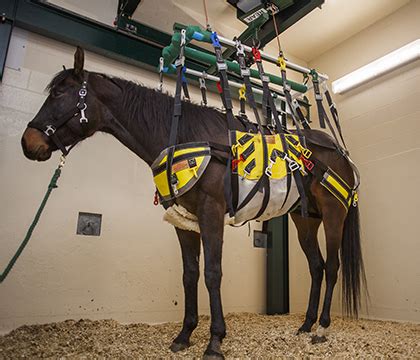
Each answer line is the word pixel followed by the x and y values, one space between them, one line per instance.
pixel 257 54
pixel 219 87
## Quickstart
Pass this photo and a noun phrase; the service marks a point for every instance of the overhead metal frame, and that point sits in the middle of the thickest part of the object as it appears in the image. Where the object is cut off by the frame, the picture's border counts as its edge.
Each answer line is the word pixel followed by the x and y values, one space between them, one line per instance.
pixel 7 15
pixel 285 18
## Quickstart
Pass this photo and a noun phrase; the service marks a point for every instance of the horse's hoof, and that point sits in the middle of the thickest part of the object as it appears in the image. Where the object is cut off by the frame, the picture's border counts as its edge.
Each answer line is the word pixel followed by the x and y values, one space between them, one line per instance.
pixel 318 339
pixel 212 355
pixel 304 329
pixel 176 347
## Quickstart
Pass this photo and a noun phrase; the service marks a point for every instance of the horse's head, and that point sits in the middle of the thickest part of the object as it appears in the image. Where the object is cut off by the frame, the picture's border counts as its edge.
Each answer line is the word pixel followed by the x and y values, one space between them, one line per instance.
pixel 70 114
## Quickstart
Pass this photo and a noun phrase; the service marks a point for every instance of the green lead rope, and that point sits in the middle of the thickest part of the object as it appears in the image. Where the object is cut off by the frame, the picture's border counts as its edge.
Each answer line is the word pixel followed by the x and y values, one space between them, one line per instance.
pixel 52 185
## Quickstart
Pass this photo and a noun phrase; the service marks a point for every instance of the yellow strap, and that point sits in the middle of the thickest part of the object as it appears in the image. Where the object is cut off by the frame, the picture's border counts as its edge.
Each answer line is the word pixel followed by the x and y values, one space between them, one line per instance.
pixel 338 186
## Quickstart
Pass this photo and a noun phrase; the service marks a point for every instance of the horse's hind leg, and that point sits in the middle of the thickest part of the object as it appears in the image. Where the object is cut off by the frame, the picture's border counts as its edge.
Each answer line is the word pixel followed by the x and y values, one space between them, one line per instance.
pixel 190 247
pixel 333 218
pixel 307 234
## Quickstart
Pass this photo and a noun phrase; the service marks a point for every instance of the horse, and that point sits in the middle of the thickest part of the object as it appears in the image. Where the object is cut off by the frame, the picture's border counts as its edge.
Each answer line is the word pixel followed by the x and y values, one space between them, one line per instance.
pixel 140 118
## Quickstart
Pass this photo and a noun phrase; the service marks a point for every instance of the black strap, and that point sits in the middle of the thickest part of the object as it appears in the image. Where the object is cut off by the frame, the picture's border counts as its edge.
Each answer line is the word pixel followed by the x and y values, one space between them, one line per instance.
pixel 264 181
pixel 335 116
pixel 297 175
pixel 173 135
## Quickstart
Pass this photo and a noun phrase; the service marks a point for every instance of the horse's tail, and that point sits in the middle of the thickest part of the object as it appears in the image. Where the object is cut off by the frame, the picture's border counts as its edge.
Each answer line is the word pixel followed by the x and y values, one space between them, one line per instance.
pixel 352 268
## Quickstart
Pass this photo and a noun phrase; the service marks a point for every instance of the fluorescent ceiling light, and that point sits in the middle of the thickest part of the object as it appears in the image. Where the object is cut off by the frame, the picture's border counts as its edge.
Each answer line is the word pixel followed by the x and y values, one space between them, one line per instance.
pixel 381 66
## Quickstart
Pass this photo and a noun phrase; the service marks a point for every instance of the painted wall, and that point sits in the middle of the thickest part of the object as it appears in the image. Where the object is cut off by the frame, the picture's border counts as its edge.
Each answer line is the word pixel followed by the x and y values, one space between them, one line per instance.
pixel 381 122
pixel 132 272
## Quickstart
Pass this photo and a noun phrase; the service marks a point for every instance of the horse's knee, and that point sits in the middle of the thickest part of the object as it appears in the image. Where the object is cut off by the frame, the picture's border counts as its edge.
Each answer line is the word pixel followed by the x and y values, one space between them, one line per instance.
pixel 190 277
pixel 213 278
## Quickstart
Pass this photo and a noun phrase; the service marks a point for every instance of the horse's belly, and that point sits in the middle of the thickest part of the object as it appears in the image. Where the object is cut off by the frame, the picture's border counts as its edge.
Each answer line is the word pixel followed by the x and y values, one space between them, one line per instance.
pixel 280 202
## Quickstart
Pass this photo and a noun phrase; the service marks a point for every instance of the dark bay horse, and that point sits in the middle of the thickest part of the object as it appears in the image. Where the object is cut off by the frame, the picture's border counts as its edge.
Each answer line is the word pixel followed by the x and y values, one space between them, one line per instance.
pixel 140 119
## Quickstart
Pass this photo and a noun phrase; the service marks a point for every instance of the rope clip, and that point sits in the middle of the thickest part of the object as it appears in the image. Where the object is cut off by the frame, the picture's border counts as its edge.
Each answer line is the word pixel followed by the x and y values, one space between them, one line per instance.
pixel 62 161
pixel 183 37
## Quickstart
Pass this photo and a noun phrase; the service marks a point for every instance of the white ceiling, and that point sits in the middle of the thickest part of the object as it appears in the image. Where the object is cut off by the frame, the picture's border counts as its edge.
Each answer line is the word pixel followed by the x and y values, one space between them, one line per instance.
pixel 337 21
pixel 316 33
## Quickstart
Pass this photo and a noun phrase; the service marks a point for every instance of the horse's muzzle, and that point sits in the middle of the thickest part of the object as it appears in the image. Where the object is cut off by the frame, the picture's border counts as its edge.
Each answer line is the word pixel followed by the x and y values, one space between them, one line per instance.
pixel 35 145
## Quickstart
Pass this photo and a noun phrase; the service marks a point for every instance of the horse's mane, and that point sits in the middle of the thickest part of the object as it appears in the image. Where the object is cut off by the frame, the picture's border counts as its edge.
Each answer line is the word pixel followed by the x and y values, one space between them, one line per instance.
pixel 150 111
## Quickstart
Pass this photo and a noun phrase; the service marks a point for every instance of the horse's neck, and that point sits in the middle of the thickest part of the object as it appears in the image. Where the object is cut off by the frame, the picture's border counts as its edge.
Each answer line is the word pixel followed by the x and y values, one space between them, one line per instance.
pixel 132 132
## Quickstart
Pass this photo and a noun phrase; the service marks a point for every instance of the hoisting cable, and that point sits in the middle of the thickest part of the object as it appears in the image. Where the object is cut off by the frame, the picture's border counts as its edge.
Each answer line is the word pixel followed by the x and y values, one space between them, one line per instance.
pixel 52 185
pixel 208 27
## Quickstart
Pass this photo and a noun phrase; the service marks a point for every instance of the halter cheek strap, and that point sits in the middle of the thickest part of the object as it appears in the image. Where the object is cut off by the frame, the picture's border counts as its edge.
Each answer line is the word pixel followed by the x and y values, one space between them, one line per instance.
pixel 51 129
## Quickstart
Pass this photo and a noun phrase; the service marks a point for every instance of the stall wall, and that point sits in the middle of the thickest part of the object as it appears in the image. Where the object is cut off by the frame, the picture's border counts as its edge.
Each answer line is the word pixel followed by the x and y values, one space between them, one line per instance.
pixel 381 122
pixel 132 272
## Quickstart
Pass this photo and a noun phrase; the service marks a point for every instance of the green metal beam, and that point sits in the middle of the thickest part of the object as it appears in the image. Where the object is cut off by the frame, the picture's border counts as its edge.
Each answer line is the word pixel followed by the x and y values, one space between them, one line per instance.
pixel 7 15
pixel 277 265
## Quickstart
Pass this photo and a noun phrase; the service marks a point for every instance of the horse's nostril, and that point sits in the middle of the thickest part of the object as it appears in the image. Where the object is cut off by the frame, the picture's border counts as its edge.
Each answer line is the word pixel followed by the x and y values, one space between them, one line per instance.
pixel 23 142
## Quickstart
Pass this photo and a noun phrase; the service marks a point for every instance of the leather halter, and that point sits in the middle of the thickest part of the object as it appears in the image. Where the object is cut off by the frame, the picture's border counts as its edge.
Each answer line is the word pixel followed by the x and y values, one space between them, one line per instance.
pixel 51 128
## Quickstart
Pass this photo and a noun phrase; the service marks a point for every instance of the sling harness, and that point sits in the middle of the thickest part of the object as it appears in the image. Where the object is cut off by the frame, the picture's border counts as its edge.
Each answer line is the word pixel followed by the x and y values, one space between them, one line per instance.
pixel 262 154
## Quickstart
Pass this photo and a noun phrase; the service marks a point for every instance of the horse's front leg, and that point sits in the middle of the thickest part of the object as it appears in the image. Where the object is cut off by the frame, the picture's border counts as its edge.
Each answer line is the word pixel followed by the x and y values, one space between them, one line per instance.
pixel 190 247
pixel 211 220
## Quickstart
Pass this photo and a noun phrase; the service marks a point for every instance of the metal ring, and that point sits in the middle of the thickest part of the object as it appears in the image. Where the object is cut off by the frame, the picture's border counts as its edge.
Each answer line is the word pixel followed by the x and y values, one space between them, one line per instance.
pixel 84 106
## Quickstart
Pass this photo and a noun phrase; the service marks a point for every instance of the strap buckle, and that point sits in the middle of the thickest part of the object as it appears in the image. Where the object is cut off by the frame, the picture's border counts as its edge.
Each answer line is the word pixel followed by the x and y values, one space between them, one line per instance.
pixel 215 39
pixel 242 92
pixel 293 165
pixel 307 163
pixel 83 118
pixel 355 198
pixel 245 72
pixel 183 37
pixel 221 66
pixel 306 152
pixel 50 130
pixel 202 82
pixel 281 62
pixel 174 184
pixel 240 50
pixel 257 54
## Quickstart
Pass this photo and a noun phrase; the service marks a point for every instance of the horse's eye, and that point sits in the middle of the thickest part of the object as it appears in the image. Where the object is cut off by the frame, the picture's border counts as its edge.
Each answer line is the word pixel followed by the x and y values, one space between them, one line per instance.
pixel 56 93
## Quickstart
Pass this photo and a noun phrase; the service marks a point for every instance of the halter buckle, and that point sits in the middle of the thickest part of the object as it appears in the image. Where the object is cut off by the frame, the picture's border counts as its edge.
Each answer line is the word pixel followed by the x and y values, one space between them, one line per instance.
pixel 83 92
pixel 50 130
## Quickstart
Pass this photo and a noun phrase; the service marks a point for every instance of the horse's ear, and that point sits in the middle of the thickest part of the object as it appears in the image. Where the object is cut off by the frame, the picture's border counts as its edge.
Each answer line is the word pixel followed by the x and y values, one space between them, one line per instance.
pixel 79 60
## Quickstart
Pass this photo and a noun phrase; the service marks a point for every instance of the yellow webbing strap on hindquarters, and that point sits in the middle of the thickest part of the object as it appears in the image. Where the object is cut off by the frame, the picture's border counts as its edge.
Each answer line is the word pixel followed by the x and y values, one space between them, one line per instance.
pixel 339 188
pixel 189 163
